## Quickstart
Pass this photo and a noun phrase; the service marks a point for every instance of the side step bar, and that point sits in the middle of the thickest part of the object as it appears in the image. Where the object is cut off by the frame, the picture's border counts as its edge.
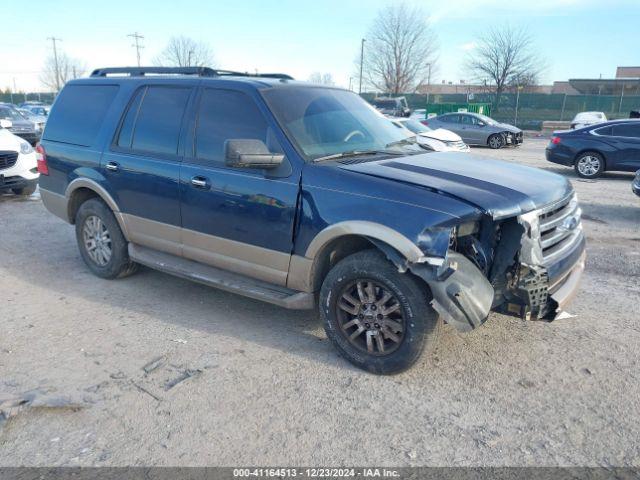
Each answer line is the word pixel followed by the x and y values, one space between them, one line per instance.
pixel 222 279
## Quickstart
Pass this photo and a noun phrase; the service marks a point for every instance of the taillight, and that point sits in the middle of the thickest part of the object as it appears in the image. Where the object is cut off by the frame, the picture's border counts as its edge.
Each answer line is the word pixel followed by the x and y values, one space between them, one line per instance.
pixel 555 140
pixel 424 122
pixel 41 157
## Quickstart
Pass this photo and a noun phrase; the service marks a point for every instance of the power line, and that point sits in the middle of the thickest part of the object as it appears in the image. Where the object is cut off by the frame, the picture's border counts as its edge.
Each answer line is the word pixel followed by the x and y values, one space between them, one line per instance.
pixel 55 59
pixel 137 37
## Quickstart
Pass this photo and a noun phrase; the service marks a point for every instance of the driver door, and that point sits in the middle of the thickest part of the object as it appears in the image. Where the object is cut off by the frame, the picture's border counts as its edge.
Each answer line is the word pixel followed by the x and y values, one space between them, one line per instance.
pixel 238 219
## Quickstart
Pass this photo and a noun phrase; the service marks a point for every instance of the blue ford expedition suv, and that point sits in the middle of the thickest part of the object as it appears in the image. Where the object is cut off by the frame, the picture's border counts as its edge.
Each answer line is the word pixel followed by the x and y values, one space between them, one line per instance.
pixel 303 195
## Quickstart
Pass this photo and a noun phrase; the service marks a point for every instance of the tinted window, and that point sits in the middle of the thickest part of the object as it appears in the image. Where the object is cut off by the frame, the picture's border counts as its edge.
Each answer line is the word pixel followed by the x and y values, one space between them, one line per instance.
pixel 126 130
pixel 627 130
pixel 223 115
pixel 451 118
pixel 157 128
pixel 79 112
pixel 603 131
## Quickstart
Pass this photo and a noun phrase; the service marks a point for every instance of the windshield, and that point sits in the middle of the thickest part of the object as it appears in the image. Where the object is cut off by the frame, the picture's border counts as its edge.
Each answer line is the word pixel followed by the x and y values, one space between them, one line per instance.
pixel 487 120
pixel 325 121
pixel 7 113
pixel 415 126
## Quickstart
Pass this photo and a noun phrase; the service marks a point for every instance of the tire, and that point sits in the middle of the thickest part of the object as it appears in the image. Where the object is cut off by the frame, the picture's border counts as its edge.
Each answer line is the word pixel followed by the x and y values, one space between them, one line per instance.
pixel 495 141
pixel 26 191
pixel 413 313
pixel 94 219
pixel 589 165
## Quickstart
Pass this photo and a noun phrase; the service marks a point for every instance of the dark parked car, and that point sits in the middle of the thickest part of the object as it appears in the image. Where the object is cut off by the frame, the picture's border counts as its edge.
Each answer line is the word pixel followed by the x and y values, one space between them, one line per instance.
pixel 477 129
pixel 392 106
pixel 301 195
pixel 21 126
pixel 635 186
pixel 613 146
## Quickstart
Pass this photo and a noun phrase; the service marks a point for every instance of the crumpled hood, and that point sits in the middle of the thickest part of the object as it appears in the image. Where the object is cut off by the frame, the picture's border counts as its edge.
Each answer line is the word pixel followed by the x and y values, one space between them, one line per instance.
pixel 442 135
pixel 508 128
pixel 498 188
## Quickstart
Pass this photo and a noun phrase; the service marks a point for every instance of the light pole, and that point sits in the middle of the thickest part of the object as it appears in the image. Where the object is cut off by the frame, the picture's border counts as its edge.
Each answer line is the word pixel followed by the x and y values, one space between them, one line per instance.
pixel 55 59
pixel 518 88
pixel 428 82
pixel 361 64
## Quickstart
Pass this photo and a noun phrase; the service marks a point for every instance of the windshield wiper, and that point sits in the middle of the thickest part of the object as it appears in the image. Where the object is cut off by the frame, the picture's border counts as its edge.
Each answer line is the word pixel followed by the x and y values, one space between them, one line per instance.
pixel 355 153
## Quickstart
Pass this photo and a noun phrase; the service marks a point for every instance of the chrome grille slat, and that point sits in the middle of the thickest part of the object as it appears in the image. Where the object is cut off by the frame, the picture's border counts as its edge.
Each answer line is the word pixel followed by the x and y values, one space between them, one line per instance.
pixel 556 238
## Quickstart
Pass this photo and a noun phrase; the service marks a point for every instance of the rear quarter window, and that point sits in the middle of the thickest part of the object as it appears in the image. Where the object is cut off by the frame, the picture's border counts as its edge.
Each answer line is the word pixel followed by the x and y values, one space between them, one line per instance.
pixel 78 113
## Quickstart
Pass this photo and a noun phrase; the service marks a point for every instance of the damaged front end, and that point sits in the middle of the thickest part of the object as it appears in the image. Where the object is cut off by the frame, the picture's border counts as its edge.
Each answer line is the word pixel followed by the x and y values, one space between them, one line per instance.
pixel 527 266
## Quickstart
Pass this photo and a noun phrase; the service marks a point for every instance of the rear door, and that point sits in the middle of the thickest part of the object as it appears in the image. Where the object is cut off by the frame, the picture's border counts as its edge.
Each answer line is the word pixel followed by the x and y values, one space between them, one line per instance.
pixel 626 138
pixel 238 219
pixel 142 166
pixel 451 122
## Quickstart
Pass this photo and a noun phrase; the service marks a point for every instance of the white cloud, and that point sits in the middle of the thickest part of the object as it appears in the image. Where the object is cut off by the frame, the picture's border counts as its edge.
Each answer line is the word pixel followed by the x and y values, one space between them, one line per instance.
pixel 468 46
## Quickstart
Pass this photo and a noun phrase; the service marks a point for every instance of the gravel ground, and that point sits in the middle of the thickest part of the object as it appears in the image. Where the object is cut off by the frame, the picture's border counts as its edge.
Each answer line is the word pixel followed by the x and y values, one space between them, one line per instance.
pixel 154 370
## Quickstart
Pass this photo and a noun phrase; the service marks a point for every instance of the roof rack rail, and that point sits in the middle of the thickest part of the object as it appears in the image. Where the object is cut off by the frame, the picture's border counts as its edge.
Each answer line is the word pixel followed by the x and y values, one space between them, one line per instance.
pixel 198 71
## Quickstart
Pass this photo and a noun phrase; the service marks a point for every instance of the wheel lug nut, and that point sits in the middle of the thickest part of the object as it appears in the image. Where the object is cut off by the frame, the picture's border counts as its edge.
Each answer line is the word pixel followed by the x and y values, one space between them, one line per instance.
pixel 373 307
pixel 380 316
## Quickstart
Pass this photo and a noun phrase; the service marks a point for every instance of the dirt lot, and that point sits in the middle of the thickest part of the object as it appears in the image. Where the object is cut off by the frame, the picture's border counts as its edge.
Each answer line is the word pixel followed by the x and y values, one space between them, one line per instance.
pixel 154 370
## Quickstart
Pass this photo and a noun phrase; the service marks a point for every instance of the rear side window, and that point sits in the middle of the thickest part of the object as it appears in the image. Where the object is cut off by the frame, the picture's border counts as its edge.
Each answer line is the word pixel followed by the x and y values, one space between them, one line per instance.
pixel 78 113
pixel 152 122
pixel 451 118
pixel 606 131
pixel 627 130
pixel 223 115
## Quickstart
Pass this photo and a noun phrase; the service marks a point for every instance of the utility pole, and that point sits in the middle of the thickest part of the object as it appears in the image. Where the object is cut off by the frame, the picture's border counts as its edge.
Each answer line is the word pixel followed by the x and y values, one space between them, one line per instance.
pixel 361 64
pixel 137 37
pixel 55 59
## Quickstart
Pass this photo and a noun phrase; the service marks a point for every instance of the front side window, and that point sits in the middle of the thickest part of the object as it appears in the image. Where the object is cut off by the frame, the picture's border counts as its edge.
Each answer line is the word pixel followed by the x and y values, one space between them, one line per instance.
pixel 225 115
pixel 631 130
pixel 153 121
pixel 327 121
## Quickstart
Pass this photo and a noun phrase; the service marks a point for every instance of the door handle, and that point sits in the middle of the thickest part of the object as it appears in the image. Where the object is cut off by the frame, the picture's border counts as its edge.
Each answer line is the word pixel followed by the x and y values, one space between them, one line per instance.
pixel 112 166
pixel 200 182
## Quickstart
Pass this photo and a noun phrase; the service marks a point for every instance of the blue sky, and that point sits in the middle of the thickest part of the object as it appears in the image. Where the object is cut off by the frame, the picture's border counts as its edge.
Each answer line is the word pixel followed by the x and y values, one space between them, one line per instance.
pixel 577 38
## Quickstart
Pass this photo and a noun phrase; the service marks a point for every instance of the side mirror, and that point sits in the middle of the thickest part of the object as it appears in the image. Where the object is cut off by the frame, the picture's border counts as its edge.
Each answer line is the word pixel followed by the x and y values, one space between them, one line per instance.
pixel 6 124
pixel 250 153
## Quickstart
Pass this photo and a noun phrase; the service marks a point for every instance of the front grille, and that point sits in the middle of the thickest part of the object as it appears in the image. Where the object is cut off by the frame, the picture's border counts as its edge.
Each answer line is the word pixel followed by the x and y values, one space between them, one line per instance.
pixel 8 159
pixel 560 228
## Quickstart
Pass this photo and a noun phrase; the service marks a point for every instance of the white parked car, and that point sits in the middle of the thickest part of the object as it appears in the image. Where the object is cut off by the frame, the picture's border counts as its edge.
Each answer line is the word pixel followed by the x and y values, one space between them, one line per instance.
pixel 18 163
pixel 586 119
pixel 440 140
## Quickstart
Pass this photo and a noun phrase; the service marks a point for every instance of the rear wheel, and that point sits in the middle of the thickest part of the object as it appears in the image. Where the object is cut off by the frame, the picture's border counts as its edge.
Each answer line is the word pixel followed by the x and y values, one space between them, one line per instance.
pixel 496 141
pixel 589 165
pixel 378 319
pixel 101 242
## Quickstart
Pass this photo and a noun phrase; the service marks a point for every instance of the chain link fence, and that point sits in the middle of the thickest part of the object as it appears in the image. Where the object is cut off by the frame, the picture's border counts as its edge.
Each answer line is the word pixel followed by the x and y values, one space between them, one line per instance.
pixel 533 108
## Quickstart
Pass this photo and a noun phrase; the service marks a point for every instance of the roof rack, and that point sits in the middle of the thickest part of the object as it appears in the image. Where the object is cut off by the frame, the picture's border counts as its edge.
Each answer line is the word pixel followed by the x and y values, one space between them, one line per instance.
pixel 198 71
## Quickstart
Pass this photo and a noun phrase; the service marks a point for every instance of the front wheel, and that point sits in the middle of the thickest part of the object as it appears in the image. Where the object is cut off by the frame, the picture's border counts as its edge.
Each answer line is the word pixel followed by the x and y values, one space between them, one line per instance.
pixel 496 141
pixel 589 165
pixel 378 318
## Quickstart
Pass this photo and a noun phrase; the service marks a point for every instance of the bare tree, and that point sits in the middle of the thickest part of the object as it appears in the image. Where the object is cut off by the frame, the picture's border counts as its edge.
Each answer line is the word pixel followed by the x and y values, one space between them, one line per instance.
pixel 55 74
pixel 322 78
pixel 183 51
pixel 400 50
pixel 505 57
